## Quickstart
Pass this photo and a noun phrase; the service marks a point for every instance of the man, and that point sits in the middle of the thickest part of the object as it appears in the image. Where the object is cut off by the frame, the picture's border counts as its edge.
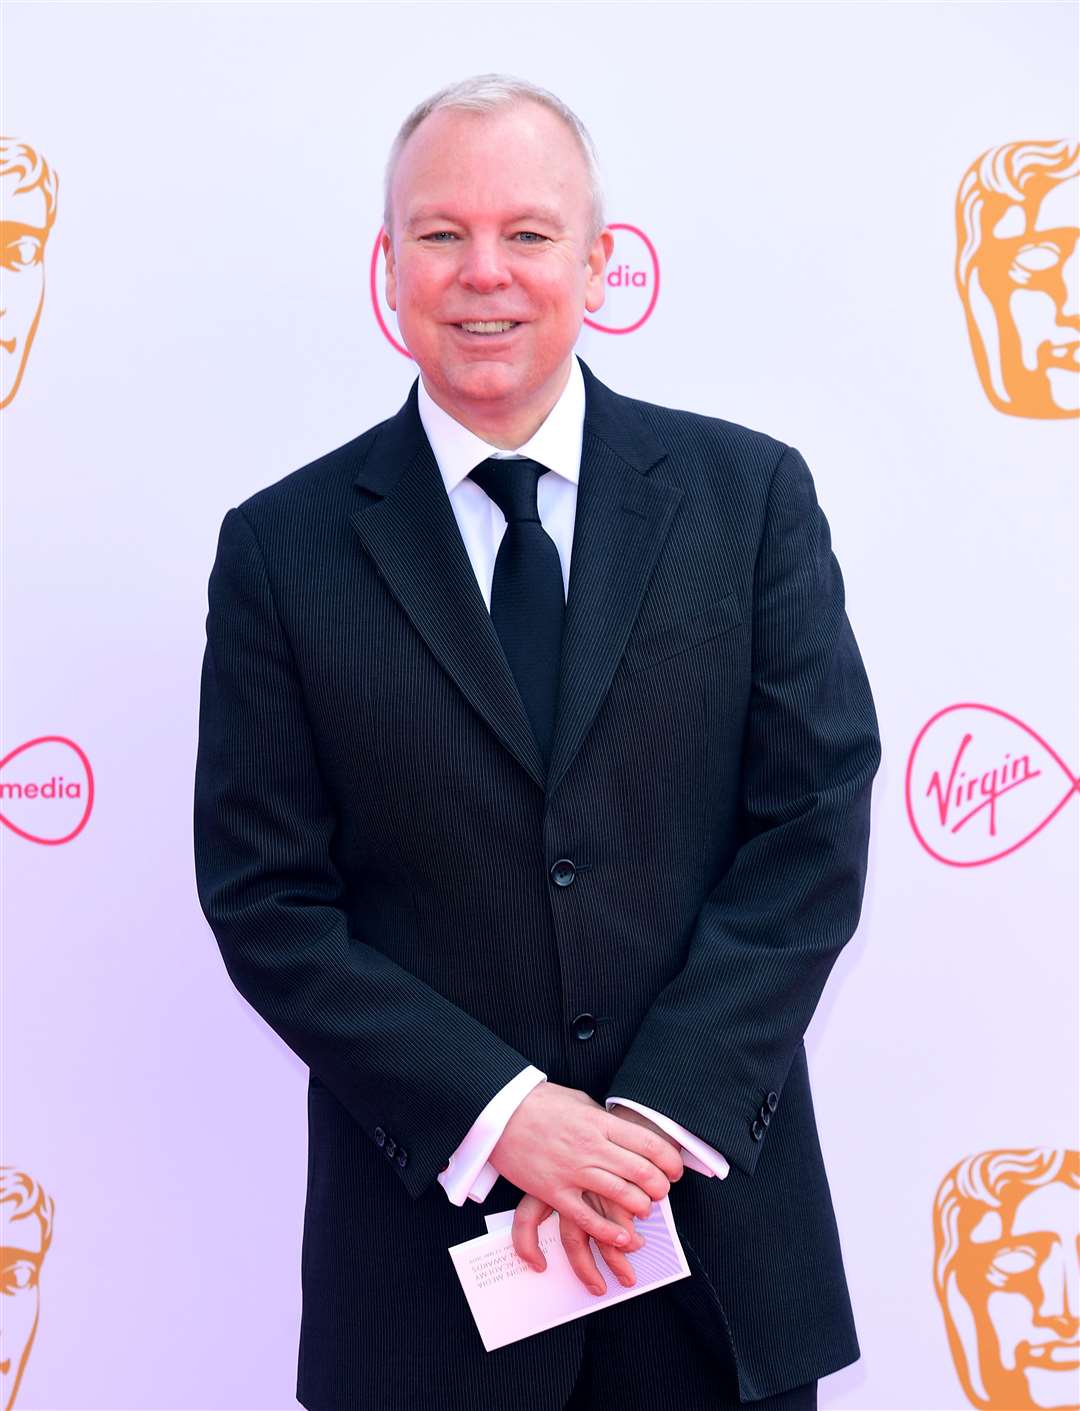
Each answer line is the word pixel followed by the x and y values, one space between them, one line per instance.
pixel 30 188
pixel 26 1228
pixel 534 768
pixel 1007 1275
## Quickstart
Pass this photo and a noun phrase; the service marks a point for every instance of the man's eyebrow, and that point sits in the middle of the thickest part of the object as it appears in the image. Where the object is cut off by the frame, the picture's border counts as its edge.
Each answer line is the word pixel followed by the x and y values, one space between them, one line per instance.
pixel 537 213
pixel 12 229
pixel 9 1254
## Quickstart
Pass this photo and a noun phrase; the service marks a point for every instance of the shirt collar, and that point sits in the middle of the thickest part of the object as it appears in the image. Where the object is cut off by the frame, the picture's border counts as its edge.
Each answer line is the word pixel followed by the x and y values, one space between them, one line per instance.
pixel 556 443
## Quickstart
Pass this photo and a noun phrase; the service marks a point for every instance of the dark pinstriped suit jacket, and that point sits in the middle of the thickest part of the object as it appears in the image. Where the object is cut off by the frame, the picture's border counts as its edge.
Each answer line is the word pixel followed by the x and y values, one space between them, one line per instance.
pixel 374 843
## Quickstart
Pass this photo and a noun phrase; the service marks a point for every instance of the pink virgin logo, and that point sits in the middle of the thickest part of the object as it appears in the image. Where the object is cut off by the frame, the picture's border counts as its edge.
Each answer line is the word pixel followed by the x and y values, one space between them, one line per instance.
pixel 632 280
pixel 980 784
pixel 46 790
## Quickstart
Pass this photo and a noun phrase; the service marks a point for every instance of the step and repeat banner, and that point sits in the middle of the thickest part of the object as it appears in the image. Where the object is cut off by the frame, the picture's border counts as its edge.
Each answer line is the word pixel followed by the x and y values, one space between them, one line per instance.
pixel 853 227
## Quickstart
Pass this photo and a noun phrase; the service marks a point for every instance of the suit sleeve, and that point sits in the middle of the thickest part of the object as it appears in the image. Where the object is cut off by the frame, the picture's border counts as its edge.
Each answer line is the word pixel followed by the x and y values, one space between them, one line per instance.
pixel 397 1054
pixel 719 1039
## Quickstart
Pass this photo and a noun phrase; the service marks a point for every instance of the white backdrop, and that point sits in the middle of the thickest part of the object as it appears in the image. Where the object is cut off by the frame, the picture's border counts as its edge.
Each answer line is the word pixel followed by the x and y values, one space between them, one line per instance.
pixel 207 327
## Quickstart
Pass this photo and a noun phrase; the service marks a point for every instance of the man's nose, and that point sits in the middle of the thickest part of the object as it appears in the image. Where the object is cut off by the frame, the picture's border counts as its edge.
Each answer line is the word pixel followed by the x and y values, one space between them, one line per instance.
pixel 1071 277
pixel 1059 1280
pixel 484 266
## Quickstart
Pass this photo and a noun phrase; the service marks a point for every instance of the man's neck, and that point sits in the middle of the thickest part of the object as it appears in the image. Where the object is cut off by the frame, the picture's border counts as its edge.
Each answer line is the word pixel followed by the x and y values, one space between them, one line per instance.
pixel 507 429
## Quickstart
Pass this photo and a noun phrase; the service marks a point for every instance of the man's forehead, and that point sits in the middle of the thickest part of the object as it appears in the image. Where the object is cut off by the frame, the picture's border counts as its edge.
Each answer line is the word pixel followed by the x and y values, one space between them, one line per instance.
pixel 22 1234
pixel 1049 1207
pixel 450 141
pixel 24 207
pixel 1058 206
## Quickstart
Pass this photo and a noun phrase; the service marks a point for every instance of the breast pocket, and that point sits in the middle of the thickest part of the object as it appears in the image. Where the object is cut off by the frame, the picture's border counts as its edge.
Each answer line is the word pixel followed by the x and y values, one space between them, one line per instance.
pixel 646 648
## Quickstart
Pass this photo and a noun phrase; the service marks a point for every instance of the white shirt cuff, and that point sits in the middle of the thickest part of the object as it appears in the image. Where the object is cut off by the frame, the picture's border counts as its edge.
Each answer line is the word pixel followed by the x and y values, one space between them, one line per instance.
pixel 469 1173
pixel 696 1154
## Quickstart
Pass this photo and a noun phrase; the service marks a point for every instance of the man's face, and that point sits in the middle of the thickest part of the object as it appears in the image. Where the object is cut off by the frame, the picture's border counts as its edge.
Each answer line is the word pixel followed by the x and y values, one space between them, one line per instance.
pixel 1020 1279
pixel 20 1257
pixel 1022 301
pixel 491 217
pixel 22 279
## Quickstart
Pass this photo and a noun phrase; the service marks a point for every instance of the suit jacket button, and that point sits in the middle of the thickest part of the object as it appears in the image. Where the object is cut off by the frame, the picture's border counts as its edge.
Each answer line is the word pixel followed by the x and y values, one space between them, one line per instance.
pixel 583 1026
pixel 757 1130
pixel 380 1137
pixel 771 1102
pixel 563 872
pixel 765 1114
pixel 402 1156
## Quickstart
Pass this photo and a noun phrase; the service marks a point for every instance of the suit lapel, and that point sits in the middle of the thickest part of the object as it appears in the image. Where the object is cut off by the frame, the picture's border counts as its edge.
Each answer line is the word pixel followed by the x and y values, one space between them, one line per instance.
pixel 622 518
pixel 408 528
pixel 407 525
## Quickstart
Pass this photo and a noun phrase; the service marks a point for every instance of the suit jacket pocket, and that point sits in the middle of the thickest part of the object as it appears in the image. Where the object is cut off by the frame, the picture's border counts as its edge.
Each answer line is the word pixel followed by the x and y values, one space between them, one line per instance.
pixel 645 649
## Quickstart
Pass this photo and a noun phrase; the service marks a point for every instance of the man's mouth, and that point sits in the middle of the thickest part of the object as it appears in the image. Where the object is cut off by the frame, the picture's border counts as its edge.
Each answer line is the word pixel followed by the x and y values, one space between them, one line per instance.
pixel 488 327
pixel 1061 1356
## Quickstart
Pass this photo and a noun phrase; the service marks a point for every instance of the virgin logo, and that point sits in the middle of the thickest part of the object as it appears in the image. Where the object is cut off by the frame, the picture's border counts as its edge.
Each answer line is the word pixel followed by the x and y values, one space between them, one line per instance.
pixel 46 790
pixel 980 784
pixel 632 279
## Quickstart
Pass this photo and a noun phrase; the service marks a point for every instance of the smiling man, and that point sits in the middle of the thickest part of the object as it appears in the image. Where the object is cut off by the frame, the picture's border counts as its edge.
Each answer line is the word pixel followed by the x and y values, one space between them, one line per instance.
pixel 531 811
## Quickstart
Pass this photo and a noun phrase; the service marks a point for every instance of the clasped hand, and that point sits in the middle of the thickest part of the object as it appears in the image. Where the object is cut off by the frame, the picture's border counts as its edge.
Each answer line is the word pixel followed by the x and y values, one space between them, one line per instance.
pixel 598 1169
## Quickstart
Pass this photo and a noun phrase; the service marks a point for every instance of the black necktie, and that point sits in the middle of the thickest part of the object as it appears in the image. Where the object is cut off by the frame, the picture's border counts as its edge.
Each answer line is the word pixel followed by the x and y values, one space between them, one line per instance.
pixel 527 601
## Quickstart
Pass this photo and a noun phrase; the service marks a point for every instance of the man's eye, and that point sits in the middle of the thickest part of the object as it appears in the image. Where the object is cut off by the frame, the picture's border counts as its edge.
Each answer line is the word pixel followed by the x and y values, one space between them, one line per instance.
pixel 19 1275
pixel 532 232
pixel 22 253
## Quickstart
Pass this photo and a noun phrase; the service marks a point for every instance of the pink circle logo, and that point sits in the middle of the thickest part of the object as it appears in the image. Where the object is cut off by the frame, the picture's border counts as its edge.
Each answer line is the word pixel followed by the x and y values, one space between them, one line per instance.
pixel 980 784
pixel 376 297
pixel 632 282
pixel 46 790
pixel 632 278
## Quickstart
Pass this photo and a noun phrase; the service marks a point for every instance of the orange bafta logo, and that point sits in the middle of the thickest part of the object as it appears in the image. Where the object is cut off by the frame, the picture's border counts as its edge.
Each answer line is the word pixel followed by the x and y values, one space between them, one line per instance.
pixel 1016 270
pixel 29 188
pixel 26 1217
pixel 1007 1275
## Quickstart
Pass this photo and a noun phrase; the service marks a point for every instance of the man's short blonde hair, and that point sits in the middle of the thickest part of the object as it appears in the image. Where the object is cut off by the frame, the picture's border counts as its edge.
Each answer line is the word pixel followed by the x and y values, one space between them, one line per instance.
pixel 483 94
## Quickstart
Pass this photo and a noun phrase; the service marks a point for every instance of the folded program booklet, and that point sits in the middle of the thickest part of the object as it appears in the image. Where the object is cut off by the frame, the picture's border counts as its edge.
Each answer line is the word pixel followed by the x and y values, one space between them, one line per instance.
pixel 509 1300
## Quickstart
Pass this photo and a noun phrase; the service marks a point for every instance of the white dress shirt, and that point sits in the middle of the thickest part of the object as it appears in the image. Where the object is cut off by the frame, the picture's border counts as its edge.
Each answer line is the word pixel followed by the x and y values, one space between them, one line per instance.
pixel 556 444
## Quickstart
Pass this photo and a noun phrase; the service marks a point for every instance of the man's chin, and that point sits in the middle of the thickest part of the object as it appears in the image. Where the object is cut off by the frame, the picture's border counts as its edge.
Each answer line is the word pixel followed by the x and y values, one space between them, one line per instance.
pixel 483 380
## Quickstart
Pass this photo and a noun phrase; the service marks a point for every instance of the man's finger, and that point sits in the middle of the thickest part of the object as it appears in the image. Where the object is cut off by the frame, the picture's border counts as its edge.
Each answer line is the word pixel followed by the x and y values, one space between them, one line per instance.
pixel 616 1261
pixel 579 1253
pixel 530 1212
pixel 646 1143
pixel 602 1230
pixel 625 1193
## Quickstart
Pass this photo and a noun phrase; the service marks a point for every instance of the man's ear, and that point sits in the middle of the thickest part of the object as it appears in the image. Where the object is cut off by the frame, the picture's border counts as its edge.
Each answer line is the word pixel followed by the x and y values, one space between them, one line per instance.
pixel 391 270
pixel 597 261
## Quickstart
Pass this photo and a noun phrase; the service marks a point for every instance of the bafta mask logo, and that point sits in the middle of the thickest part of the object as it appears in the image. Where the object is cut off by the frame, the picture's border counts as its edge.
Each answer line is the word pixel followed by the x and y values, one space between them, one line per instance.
pixel 26 1219
pixel 1016 270
pixel 28 190
pixel 1007 1275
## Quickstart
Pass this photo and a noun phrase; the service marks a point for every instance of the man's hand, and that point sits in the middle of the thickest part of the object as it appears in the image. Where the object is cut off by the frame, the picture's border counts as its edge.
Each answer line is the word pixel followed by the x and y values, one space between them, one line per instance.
pixel 598 1169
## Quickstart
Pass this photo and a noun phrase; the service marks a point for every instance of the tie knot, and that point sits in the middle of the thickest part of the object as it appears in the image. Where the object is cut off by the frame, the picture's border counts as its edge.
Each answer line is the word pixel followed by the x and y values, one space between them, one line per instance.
pixel 511 482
